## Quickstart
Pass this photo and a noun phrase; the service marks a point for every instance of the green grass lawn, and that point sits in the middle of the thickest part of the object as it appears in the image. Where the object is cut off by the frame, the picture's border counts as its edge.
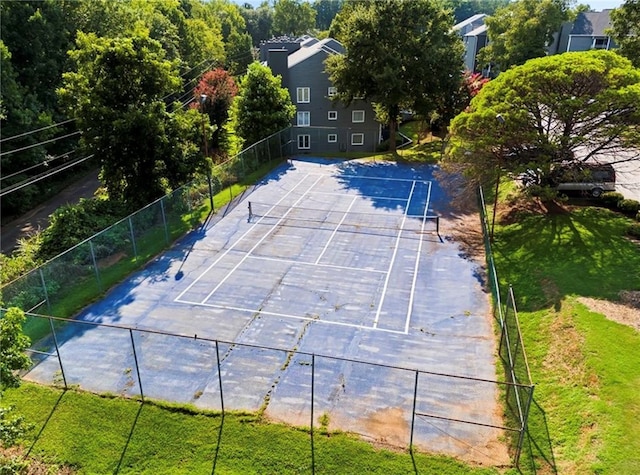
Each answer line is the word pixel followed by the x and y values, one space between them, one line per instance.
pixel 586 415
pixel 97 435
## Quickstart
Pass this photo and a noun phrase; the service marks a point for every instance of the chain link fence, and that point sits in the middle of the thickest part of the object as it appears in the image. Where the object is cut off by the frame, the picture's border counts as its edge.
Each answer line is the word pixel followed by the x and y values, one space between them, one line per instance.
pixel 91 267
pixel 519 395
pixel 397 406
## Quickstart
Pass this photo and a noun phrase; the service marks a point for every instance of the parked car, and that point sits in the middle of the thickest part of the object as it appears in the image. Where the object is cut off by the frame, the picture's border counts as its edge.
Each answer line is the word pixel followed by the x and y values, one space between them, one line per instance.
pixel 593 179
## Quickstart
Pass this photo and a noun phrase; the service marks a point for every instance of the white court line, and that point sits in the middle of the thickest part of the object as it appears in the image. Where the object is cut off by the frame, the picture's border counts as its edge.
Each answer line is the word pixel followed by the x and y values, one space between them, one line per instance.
pixel 324 249
pixel 274 227
pixel 237 242
pixel 343 194
pixel 285 315
pixel 415 269
pixel 393 258
pixel 382 178
pixel 330 266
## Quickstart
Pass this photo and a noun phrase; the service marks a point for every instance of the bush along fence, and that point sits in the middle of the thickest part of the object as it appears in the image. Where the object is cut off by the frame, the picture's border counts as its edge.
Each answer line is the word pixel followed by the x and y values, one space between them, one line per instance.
pixel 519 394
pixel 91 267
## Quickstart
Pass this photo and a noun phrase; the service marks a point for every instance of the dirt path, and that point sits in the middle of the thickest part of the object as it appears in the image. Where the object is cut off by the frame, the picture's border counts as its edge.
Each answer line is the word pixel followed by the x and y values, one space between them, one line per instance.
pixel 38 218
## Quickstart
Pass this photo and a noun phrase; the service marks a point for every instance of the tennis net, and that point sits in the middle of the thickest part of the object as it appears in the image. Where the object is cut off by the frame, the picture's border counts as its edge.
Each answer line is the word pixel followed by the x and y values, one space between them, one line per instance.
pixel 388 220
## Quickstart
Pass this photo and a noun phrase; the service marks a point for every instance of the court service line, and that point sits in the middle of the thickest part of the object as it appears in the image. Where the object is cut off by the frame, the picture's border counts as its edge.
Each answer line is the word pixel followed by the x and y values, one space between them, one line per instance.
pixel 244 258
pixel 415 269
pixel 393 257
pixel 330 266
pixel 239 240
pixel 296 317
pixel 344 216
pixel 412 180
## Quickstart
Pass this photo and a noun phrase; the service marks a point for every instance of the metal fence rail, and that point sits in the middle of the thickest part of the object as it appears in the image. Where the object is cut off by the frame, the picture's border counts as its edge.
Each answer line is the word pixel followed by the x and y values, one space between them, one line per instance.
pixel 285 384
pixel 519 396
pixel 94 265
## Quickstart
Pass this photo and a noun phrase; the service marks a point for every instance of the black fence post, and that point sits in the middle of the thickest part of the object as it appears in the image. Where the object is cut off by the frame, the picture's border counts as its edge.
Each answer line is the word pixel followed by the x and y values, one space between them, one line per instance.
pixel 55 342
pixel 413 412
pixel 44 289
pixel 219 378
pixel 135 359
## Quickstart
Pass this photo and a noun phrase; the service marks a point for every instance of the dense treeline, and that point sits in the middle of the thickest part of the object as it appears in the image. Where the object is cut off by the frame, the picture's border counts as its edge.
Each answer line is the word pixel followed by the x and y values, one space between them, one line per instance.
pixel 118 85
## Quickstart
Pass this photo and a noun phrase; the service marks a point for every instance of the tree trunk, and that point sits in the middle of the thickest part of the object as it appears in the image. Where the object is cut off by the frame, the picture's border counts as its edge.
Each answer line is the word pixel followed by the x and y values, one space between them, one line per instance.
pixel 392 134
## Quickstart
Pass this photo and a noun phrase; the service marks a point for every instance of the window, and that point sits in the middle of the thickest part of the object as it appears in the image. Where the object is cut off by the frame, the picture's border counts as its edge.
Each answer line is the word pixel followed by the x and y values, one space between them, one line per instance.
pixel 332 138
pixel 303 94
pixel 357 116
pixel 304 119
pixel 600 43
pixel 332 91
pixel 304 142
pixel 357 139
pixel 333 115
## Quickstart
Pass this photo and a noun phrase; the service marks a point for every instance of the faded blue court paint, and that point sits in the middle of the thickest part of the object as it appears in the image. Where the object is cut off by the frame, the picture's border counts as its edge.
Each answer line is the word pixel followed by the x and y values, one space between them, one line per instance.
pixel 337 260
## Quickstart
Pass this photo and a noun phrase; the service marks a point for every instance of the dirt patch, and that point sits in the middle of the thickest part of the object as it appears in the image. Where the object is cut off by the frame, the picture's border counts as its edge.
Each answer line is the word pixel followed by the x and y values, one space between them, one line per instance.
pixel 389 425
pixel 111 260
pixel 35 467
pixel 627 312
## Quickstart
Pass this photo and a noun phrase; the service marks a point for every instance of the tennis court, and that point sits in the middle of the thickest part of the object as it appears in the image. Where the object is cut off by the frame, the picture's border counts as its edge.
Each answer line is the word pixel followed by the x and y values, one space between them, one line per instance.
pixel 347 261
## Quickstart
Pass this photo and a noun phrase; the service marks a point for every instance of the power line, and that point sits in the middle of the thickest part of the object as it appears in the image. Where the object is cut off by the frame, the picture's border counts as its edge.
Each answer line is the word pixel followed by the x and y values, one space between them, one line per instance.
pixel 40 143
pixel 37 130
pixel 42 176
pixel 45 163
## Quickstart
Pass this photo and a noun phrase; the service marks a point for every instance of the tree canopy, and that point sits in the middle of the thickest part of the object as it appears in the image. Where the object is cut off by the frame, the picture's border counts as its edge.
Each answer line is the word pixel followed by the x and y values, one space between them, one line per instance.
pixel 292 17
pixel 567 108
pixel 12 345
pixel 117 95
pixel 521 31
pixel 262 106
pixel 219 88
pixel 398 55
pixel 626 30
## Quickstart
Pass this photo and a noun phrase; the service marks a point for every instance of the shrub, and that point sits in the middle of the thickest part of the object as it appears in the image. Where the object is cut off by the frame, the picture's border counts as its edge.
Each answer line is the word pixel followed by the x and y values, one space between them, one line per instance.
pixel 611 198
pixel 73 223
pixel 629 206
pixel 638 216
pixel 634 230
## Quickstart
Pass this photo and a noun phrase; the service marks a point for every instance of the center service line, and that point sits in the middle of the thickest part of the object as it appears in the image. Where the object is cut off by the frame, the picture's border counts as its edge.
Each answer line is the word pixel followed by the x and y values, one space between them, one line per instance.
pixel 415 269
pixel 239 240
pixel 353 201
pixel 393 257
pixel 248 254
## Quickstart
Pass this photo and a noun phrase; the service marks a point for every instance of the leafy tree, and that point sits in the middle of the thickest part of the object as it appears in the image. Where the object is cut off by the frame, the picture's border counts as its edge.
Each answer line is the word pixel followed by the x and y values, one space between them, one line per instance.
pixel 38 35
pixel 326 10
pixel 20 111
pixel 292 17
pixel 239 53
pixel 259 22
pixel 463 9
pixel 521 31
pixel 262 106
pixel 13 343
pixel 117 95
pixel 626 30
pixel 398 54
pixel 220 89
pixel 566 109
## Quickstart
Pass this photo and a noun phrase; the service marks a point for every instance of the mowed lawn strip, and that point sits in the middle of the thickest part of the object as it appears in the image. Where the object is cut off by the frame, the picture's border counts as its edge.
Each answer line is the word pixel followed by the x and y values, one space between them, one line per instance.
pixel 98 435
pixel 586 416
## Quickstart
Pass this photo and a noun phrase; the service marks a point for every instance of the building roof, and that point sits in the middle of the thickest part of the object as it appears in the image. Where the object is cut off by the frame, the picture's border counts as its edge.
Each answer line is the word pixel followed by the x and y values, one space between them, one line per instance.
pixel 469 21
pixel 329 46
pixel 592 23
pixel 478 31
